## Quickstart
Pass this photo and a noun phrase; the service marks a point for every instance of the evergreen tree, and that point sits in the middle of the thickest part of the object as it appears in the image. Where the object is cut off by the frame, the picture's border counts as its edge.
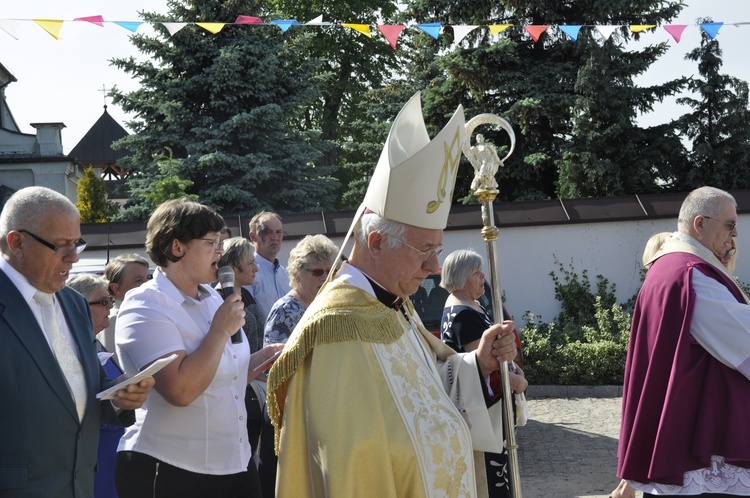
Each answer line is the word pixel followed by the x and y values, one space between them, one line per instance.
pixel 353 65
pixel 551 91
pixel 229 106
pixel 718 126
pixel 92 204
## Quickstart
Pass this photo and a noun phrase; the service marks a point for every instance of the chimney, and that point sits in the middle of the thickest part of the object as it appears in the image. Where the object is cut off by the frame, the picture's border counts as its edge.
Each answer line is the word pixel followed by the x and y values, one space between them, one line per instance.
pixel 48 139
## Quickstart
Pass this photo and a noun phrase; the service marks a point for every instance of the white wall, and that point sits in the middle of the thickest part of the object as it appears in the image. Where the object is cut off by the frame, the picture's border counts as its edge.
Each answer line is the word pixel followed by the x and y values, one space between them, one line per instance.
pixel 526 256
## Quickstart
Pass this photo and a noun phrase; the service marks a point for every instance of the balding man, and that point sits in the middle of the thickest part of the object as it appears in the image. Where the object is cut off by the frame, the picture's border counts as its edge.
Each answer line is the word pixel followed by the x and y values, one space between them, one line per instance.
pixel 686 393
pixel 49 370
pixel 366 402
pixel 272 280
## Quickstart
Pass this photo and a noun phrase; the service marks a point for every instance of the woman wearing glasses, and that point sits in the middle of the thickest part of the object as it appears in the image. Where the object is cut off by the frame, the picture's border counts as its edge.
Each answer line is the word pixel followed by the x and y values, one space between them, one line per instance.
pixel 308 266
pixel 190 438
pixel 94 289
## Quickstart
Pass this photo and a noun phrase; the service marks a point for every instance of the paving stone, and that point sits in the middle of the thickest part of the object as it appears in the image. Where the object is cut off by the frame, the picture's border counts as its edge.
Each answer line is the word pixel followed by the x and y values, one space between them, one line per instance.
pixel 568 448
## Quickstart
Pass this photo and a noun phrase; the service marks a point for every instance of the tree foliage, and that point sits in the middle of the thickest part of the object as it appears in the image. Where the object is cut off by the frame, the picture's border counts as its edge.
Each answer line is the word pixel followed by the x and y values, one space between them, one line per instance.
pixel 351 66
pixel 718 125
pixel 92 204
pixel 573 104
pixel 229 105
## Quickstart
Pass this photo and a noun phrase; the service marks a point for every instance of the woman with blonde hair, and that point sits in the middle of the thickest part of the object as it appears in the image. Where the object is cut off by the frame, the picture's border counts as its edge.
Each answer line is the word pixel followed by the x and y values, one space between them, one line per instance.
pixel 309 264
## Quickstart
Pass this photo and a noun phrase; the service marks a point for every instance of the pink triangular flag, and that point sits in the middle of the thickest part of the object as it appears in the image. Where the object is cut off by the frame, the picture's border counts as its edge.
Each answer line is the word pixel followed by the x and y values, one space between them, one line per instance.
pixel 675 30
pixel 98 20
pixel 535 30
pixel 391 33
pixel 248 20
pixel 460 32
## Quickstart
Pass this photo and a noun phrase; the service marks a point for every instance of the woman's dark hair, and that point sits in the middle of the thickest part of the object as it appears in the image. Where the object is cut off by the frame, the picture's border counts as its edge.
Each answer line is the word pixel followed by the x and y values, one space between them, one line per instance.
pixel 180 219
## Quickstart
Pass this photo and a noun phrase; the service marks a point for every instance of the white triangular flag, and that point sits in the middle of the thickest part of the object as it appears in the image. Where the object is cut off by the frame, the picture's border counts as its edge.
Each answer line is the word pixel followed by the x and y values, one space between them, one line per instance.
pixel 460 32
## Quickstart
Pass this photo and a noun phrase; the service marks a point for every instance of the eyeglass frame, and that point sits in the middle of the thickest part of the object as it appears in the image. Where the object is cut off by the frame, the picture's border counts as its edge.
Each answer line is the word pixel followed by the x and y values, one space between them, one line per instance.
pixel 730 225
pixel 318 272
pixel 105 301
pixel 427 255
pixel 216 242
pixel 77 247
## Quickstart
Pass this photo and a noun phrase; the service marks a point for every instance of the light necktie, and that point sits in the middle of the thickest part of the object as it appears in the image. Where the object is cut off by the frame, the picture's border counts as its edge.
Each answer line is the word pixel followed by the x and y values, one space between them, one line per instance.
pixel 63 351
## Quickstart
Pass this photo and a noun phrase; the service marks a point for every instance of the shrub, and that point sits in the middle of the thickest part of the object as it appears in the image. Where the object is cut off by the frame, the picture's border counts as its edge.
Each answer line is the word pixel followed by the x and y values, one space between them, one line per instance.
pixel 587 344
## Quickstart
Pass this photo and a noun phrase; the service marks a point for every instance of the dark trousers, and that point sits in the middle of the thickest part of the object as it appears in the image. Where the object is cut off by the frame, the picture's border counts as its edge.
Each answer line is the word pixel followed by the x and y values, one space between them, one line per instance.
pixel 142 476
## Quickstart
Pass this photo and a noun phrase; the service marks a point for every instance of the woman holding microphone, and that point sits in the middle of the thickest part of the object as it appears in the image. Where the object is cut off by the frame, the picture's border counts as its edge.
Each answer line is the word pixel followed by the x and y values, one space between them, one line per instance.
pixel 190 439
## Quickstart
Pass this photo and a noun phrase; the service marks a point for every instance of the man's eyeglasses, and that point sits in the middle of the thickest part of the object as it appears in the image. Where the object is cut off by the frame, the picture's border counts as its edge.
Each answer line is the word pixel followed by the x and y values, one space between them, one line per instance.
pixel 319 272
pixel 432 253
pixel 77 247
pixel 105 301
pixel 729 225
pixel 215 242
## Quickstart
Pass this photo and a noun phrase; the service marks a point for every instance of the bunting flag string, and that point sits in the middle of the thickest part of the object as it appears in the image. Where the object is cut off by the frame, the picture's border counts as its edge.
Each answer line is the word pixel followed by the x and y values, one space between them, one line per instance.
pixel 391 32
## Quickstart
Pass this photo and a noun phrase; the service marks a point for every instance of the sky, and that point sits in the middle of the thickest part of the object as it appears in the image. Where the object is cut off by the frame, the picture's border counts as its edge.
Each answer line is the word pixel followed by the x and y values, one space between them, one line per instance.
pixel 61 80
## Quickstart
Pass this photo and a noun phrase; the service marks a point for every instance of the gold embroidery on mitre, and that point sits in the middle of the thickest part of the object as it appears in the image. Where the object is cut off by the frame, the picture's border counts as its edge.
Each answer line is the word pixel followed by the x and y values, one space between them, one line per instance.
pixel 452 156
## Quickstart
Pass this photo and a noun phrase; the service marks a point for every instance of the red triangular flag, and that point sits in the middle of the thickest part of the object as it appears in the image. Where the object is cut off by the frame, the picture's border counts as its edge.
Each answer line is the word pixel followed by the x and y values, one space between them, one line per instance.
pixel 535 30
pixel 391 32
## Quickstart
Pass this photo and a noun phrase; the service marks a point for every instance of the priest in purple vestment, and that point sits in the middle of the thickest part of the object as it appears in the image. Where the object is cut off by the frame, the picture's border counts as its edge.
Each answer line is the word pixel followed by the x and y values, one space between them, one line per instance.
pixel 686 395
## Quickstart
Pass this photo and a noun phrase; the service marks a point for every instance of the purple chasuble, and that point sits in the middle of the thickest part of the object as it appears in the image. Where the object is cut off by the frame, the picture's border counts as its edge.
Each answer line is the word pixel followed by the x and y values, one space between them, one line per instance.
pixel 680 405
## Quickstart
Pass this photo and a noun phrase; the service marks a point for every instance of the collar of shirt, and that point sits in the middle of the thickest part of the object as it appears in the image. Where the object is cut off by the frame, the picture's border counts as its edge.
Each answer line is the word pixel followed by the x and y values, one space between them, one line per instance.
pixel 360 279
pixel 265 264
pixel 166 286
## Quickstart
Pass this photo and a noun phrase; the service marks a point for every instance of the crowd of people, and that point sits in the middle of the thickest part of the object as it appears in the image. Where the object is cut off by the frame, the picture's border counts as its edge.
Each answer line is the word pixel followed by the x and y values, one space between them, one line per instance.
pixel 319 379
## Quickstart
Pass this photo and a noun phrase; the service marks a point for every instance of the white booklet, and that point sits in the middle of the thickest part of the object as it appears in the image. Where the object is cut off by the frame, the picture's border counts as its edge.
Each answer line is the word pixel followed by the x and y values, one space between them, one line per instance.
pixel 147 372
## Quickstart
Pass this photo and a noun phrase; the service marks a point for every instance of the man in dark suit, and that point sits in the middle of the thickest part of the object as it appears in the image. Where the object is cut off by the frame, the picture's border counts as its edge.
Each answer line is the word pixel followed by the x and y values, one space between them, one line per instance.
pixel 49 370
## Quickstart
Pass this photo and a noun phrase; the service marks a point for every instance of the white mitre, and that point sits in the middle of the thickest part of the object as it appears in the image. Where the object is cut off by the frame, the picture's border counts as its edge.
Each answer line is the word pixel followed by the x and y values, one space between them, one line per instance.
pixel 414 179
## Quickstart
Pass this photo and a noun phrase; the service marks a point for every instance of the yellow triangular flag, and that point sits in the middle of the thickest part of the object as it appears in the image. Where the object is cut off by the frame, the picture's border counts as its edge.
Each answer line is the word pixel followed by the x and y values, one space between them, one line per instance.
pixel 498 28
pixel 51 26
pixel 211 27
pixel 637 28
pixel 362 28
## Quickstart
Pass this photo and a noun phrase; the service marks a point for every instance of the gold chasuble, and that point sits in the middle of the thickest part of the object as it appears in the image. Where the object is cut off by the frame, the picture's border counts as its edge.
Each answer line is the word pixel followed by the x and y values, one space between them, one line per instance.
pixel 366 403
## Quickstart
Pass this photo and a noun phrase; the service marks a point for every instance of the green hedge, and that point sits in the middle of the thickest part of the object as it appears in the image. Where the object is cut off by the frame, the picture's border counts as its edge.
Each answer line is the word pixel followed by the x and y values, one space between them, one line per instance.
pixel 587 343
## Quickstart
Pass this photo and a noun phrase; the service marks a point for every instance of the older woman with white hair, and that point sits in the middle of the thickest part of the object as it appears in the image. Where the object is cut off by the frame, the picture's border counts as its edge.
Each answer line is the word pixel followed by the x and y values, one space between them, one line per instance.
pixel 95 290
pixel 464 321
pixel 309 264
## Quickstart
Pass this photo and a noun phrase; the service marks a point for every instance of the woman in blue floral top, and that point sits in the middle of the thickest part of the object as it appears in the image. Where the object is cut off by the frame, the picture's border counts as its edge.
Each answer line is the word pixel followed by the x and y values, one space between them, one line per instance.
pixel 309 264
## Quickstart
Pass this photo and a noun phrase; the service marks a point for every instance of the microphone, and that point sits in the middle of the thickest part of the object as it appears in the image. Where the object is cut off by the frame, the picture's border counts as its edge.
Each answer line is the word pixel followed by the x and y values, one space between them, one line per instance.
pixel 226 279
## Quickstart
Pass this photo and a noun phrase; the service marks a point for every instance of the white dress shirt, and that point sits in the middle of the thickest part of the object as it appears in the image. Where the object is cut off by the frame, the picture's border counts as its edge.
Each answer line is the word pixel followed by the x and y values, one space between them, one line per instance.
pixel 209 436
pixel 27 291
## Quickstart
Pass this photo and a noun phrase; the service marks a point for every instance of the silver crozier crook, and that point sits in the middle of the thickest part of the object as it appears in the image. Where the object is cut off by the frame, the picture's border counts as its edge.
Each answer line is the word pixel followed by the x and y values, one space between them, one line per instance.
pixel 483 157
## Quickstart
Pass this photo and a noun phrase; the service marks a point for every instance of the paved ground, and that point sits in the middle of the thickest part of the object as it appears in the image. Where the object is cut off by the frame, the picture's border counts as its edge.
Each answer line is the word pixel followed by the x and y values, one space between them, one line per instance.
pixel 568 449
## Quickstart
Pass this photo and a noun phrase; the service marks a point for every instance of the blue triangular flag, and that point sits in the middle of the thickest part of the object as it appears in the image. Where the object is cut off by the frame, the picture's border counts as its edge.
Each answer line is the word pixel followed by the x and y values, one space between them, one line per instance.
pixel 431 28
pixel 571 31
pixel 285 23
pixel 712 28
pixel 129 25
